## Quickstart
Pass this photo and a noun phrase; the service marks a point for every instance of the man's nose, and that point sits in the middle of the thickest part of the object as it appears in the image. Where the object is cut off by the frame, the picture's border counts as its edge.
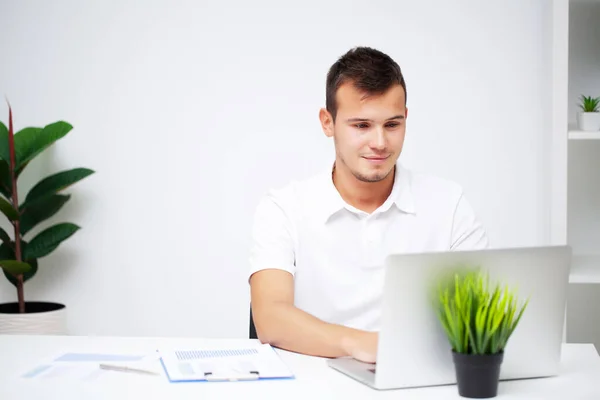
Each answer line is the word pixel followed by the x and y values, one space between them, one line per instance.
pixel 378 141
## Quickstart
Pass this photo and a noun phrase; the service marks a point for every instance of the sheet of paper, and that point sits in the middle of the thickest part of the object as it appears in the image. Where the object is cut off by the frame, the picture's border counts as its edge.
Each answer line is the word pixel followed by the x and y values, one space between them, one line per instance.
pixel 97 357
pixel 193 364
pixel 86 366
pixel 68 371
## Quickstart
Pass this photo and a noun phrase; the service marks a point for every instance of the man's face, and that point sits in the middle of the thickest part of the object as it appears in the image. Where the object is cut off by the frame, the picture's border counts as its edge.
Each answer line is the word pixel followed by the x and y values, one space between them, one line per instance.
pixel 368 131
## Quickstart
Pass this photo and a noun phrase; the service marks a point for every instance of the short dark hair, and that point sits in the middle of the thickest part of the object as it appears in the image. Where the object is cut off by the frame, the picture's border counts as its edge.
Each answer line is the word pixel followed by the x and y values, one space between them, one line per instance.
pixel 369 70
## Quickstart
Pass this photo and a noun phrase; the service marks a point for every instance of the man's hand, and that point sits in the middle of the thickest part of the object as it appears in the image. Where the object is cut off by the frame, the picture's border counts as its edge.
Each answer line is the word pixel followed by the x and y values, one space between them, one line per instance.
pixel 362 347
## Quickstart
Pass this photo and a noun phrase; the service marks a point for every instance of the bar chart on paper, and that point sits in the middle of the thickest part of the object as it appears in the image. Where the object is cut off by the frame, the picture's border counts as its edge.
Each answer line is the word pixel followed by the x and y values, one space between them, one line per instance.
pixel 183 355
pixel 256 361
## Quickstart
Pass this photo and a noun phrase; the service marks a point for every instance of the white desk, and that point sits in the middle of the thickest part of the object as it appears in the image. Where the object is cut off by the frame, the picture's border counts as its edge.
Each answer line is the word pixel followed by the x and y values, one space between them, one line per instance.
pixel 580 377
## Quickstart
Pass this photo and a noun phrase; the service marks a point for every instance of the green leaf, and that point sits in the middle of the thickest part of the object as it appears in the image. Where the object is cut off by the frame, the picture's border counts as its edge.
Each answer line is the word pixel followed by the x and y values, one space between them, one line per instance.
pixel 40 210
pixel 57 182
pixel 30 142
pixel 7 253
pixel 514 325
pixel 471 326
pixel 25 133
pixel 467 319
pixel 26 276
pixel 450 317
pixel 4 236
pixel 493 309
pixel 14 267
pixel 4 153
pixel 8 210
pixel 493 344
pixel 49 239
pixel 5 181
pixel 481 332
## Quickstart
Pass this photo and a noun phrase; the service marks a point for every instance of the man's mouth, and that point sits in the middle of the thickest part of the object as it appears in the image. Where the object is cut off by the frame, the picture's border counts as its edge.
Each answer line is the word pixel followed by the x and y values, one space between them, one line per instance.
pixel 376 158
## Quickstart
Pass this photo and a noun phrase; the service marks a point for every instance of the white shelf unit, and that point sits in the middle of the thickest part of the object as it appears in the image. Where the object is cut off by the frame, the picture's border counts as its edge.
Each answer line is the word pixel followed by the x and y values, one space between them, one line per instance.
pixel 585 270
pixel 576 161
pixel 583 153
pixel 576 134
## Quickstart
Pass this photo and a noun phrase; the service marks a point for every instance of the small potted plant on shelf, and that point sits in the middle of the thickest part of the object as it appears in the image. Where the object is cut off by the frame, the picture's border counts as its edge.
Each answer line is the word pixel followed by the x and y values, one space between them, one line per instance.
pixel 21 250
pixel 588 119
pixel 478 323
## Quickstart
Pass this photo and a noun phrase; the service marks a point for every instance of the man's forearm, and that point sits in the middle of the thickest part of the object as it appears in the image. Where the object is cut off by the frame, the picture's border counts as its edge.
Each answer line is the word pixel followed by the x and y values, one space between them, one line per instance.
pixel 287 327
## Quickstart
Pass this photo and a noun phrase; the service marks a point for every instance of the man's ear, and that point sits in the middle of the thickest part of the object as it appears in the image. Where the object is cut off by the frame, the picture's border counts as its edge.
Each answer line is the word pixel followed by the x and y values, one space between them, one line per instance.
pixel 326 122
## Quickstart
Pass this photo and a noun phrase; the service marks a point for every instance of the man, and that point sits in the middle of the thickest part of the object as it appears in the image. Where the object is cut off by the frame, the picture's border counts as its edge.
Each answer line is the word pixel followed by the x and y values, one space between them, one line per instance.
pixel 319 245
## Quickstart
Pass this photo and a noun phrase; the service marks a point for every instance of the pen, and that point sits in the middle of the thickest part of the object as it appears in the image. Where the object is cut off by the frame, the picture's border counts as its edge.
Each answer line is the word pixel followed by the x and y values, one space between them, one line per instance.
pixel 122 368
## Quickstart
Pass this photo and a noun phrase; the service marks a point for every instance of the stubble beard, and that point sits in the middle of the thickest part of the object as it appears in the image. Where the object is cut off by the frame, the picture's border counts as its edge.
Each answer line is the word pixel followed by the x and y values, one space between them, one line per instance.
pixel 361 177
pixel 365 178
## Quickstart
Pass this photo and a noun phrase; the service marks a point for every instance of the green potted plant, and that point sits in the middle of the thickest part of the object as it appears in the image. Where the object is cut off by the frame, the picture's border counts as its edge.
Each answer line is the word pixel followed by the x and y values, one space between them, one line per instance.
pixel 588 119
pixel 22 247
pixel 478 322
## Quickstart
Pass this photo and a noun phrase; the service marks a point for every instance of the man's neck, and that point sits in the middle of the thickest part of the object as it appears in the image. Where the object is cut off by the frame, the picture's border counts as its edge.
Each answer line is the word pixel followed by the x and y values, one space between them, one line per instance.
pixel 365 196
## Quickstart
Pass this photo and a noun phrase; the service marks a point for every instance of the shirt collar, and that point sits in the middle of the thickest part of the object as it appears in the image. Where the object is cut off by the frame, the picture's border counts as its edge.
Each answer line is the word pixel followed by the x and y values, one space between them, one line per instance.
pixel 401 196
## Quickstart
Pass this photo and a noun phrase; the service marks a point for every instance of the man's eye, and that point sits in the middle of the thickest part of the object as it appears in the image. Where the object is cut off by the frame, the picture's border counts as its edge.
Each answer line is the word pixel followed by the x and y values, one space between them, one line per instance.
pixel 362 126
pixel 392 125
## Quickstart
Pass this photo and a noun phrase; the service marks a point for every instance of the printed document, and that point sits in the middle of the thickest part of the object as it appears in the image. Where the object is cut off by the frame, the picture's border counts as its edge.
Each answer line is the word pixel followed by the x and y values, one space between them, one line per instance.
pixel 258 360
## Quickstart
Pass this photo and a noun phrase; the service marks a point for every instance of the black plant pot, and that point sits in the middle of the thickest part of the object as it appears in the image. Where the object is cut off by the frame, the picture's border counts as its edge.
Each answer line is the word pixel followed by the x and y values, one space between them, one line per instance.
pixel 30 307
pixel 477 375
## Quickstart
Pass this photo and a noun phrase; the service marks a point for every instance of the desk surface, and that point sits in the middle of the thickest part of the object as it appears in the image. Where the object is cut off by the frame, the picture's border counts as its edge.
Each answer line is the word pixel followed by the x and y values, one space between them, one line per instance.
pixel 579 379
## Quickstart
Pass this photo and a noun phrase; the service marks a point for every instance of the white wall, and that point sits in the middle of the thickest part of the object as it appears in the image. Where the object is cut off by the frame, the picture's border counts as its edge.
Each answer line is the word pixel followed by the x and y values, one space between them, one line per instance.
pixel 189 111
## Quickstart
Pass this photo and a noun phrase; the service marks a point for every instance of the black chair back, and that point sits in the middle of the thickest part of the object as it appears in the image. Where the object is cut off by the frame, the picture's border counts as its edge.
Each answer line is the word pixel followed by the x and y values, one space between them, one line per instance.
pixel 252 333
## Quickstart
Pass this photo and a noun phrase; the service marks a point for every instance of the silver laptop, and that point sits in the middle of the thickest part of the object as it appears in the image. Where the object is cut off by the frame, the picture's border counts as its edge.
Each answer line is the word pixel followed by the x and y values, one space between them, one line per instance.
pixel 413 351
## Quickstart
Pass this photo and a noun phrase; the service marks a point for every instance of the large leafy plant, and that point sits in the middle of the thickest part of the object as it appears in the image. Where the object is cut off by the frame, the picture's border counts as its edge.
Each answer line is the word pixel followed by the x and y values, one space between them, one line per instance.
pixel 19 255
pixel 476 318
pixel 589 104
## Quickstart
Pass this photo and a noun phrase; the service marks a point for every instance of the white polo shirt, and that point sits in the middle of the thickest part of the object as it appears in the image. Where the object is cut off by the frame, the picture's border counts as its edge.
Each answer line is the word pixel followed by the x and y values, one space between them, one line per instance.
pixel 336 252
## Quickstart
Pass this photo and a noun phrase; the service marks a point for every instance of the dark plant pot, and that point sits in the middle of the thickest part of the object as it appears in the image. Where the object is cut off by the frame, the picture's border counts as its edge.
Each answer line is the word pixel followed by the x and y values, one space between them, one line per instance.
pixel 40 318
pixel 477 375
